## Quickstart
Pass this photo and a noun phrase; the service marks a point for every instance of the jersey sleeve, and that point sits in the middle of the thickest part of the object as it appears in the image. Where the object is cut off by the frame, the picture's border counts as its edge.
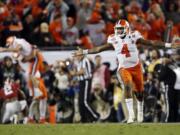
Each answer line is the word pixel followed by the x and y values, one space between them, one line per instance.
pixel 136 35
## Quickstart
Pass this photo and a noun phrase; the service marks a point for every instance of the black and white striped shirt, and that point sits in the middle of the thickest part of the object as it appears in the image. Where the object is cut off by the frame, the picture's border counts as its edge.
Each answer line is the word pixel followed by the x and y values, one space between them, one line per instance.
pixel 86 65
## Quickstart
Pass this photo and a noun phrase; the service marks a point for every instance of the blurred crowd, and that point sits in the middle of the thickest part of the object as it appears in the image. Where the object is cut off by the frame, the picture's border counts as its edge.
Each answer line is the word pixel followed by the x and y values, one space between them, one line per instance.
pixel 87 23
pixel 67 24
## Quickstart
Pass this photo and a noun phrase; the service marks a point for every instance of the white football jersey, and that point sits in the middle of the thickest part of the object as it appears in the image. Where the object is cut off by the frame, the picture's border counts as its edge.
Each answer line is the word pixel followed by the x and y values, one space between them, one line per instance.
pixel 126 49
pixel 26 47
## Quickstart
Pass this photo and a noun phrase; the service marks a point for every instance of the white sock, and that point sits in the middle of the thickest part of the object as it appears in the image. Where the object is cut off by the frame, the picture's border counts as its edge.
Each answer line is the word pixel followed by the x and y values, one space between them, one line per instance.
pixel 42 108
pixel 129 104
pixel 31 109
pixel 25 121
pixel 140 106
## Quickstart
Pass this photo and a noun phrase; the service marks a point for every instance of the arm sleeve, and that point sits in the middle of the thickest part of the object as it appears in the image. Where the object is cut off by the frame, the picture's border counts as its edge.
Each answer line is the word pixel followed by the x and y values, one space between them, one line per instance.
pixel 136 35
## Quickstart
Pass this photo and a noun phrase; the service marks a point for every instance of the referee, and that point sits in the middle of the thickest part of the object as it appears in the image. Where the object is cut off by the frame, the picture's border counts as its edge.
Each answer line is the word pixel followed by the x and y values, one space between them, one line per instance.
pixel 84 76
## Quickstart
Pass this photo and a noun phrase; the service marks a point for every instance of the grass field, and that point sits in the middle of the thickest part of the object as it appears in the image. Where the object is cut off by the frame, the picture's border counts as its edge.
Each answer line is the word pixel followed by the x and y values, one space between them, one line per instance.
pixel 92 129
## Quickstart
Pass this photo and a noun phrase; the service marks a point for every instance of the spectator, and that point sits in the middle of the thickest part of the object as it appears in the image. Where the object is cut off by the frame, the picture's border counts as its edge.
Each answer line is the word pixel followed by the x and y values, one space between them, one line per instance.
pixel 154 57
pixel 9 70
pixel 101 74
pixel 29 26
pixel 44 38
pixel 71 33
pixel 96 26
pixel 15 23
pixel 84 40
pixel 59 6
pixel 83 15
pixel 157 21
pixel 142 26
pixel 55 29
pixel 62 80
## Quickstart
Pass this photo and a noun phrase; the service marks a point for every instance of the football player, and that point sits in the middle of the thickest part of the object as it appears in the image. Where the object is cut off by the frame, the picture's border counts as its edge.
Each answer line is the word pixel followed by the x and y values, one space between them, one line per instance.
pixel 10 94
pixel 125 43
pixel 25 52
pixel 40 97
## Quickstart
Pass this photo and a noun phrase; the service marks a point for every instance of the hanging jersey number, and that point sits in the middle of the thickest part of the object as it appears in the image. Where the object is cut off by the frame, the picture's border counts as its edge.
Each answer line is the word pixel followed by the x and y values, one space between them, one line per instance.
pixel 125 50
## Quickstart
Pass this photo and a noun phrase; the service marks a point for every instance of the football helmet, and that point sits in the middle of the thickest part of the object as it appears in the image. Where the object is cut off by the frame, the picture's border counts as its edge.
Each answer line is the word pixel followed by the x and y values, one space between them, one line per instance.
pixel 121 28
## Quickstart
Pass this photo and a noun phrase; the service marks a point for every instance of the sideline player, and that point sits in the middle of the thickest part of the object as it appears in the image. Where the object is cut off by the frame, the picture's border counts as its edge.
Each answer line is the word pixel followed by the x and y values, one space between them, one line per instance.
pixel 125 42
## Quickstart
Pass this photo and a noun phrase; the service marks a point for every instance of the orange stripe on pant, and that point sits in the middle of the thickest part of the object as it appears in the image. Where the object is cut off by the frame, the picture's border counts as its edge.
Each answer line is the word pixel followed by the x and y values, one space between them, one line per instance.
pixel 133 75
pixel 42 88
pixel 35 65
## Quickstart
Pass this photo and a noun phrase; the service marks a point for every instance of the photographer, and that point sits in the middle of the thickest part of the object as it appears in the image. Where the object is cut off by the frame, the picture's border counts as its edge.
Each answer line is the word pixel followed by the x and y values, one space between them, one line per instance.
pixel 169 74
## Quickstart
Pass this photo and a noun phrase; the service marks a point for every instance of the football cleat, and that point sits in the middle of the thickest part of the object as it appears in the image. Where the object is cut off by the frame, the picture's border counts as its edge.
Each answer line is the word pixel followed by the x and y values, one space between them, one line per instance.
pixel 130 120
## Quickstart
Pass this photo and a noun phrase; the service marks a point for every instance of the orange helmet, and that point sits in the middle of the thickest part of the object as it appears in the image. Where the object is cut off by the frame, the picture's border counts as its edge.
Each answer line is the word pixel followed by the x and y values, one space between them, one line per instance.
pixel 121 28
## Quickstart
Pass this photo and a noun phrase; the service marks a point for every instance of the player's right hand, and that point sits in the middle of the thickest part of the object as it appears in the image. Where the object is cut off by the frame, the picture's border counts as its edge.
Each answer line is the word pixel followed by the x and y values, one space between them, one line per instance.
pixel 78 52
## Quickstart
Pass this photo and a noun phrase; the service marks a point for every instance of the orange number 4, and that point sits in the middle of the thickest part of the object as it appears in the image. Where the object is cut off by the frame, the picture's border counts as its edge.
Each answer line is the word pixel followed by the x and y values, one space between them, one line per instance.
pixel 125 50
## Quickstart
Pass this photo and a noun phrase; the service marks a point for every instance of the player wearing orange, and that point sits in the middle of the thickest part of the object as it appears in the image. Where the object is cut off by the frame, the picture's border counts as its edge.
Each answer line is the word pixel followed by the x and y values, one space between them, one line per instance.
pixel 25 53
pixel 125 42
pixel 40 97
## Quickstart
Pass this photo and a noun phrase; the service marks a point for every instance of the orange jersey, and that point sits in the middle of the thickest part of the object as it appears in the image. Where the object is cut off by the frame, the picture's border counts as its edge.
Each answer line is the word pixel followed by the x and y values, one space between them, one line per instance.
pixel 86 42
pixel 157 29
pixel 55 29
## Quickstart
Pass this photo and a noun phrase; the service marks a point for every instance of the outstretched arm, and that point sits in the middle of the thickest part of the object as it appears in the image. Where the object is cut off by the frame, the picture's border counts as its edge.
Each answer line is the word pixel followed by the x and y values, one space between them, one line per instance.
pixel 17 49
pixel 157 44
pixel 100 49
pixel 94 50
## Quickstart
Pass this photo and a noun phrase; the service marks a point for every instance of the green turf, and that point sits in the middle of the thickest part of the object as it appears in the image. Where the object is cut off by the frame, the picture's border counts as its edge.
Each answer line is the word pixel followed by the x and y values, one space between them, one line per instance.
pixel 92 129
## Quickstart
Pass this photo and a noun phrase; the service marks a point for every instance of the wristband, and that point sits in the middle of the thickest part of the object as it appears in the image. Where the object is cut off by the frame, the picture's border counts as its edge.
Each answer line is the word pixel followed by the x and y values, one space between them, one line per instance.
pixel 85 51
pixel 168 45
